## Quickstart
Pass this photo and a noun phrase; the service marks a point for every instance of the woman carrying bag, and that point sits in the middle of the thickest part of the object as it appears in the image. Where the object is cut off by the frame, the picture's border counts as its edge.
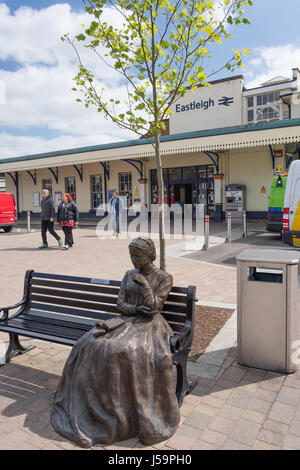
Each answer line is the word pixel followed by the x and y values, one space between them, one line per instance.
pixel 67 218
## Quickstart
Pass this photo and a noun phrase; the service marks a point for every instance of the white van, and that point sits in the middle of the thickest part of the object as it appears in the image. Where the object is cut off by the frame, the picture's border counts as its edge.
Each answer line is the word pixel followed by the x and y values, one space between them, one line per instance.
pixel 291 211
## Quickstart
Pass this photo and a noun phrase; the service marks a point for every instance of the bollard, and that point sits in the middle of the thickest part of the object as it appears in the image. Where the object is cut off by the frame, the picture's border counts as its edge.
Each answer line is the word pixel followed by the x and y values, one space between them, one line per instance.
pixel 244 224
pixel 206 232
pixel 228 239
pixel 28 221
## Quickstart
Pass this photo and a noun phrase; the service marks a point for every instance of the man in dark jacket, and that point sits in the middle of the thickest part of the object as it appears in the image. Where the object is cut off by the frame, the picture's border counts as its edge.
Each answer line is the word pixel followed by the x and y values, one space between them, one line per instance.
pixel 47 222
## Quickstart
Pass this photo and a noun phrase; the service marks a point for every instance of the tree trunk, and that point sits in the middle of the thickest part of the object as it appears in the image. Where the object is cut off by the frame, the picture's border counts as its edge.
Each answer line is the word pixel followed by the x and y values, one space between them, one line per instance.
pixel 161 213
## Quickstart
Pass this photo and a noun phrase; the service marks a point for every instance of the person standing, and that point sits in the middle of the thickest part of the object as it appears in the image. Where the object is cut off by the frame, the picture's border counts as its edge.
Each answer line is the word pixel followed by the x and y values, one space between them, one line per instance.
pixel 117 206
pixel 47 222
pixel 67 217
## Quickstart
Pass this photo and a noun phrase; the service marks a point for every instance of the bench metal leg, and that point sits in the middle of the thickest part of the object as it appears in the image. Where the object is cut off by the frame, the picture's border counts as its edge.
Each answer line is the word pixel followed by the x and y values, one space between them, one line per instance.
pixel 183 386
pixel 14 349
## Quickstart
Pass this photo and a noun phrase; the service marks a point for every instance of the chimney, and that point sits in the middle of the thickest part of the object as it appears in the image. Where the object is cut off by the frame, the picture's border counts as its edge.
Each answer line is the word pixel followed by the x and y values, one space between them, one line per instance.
pixel 296 73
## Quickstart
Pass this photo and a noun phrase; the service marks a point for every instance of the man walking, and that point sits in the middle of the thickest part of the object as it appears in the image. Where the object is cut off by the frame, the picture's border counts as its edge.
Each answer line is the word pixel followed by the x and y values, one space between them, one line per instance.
pixel 117 206
pixel 47 222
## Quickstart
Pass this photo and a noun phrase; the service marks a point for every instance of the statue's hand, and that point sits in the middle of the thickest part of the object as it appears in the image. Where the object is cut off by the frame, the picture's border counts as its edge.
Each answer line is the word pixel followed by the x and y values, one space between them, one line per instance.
pixel 140 279
pixel 147 311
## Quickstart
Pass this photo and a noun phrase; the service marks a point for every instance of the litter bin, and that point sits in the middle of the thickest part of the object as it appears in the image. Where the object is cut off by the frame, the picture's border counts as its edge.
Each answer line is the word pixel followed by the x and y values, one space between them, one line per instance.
pixel 268 309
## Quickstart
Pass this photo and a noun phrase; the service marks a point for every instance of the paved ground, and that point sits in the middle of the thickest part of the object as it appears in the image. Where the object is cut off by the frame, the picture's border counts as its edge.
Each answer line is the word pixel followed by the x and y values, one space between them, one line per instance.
pixel 225 254
pixel 233 408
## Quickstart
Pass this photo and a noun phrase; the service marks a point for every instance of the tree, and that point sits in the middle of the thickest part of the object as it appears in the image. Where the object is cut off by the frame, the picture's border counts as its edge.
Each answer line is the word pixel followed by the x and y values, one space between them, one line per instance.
pixel 159 48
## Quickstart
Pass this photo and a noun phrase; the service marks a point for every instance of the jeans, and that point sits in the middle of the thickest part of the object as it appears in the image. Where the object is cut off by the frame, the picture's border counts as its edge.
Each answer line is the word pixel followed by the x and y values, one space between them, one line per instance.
pixel 116 222
pixel 47 225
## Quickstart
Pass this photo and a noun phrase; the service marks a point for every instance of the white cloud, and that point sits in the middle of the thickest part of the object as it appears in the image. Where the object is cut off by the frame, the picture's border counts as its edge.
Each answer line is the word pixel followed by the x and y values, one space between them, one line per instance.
pixel 269 62
pixel 38 90
pixel 12 146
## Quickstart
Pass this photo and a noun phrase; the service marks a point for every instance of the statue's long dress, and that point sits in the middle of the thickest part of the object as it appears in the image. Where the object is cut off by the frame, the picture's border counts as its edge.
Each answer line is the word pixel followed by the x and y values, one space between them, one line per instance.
pixel 121 385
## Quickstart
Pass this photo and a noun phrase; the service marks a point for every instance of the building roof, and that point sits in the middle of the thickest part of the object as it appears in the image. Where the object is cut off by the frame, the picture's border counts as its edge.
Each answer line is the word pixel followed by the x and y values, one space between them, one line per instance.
pixel 250 135
pixel 275 80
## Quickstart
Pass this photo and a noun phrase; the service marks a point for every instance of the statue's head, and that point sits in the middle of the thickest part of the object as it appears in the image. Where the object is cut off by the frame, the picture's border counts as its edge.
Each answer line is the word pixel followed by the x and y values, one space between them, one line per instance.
pixel 142 252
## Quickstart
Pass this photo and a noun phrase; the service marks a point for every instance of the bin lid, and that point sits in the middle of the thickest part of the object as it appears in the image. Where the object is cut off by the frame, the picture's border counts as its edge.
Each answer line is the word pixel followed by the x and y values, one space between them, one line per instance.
pixel 270 256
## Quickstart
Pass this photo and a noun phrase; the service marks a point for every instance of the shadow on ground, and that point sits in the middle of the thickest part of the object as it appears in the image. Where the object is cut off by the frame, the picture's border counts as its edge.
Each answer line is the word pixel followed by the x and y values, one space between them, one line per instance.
pixel 30 392
pixel 231 374
pixel 226 253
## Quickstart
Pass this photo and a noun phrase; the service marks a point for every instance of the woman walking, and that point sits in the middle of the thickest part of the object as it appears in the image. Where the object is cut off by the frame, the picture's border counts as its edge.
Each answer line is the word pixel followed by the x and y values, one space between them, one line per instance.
pixel 67 217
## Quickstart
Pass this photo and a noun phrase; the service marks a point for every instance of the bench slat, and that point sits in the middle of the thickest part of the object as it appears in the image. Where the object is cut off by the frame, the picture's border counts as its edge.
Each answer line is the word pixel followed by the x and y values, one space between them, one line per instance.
pixel 179 290
pixel 87 280
pixel 74 295
pixel 57 319
pixel 174 308
pixel 95 289
pixel 43 328
pixel 96 306
pixel 70 311
pixel 60 318
pixel 174 318
pixel 76 286
pixel 101 289
pixel 75 303
pixel 50 293
pixel 32 334
pixel 66 320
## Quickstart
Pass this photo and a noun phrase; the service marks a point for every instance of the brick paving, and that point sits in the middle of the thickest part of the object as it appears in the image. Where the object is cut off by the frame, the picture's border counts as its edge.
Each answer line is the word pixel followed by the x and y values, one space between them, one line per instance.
pixel 240 408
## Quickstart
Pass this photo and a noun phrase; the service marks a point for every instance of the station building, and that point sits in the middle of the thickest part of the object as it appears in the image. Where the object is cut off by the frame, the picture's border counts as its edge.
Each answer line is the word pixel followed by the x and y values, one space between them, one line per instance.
pixel 218 135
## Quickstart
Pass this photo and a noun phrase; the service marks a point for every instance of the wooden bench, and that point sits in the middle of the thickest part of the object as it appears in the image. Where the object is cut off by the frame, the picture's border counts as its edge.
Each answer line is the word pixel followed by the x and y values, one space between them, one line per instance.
pixel 61 309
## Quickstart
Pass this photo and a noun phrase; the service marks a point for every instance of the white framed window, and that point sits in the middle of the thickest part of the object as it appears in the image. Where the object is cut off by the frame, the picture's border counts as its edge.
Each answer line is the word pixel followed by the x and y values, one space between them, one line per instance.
pixel 96 191
pixel 70 186
pixel 47 184
pixel 125 187
pixel 266 107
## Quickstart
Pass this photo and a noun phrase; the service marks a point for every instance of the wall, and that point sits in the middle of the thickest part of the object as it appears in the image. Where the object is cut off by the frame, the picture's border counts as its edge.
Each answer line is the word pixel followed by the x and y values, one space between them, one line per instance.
pixel 295 108
pixel 252 167
pixel 83 189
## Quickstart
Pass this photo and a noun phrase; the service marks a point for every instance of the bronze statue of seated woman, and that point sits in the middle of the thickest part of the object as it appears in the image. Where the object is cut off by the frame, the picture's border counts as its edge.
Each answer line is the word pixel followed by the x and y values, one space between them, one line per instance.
pixel 119 384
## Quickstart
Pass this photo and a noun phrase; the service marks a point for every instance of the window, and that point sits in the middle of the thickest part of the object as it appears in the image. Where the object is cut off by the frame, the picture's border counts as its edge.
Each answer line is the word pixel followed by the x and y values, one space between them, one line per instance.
pixel 70 186
pixel 47 184
pixel 251 102
pixel 268 98
pixel 189 173
pixel 125 188
pixel 267 114
pixel 175 174
pixel 96 191
pixel 154 175
pixel 266 107
pixel 205 171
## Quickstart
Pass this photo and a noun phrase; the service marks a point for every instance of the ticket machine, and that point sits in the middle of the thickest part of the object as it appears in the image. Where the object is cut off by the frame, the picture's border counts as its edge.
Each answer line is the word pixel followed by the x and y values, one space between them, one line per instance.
pixel 235 199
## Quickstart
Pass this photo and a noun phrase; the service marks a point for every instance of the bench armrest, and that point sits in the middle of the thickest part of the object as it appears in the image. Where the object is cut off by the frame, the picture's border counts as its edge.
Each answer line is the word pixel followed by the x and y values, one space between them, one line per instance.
pixel 5 310
pixel 179 342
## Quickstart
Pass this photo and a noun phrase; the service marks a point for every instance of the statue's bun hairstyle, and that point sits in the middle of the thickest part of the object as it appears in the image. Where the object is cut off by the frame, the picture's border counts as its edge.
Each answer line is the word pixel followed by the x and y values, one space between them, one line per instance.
pixel 145 244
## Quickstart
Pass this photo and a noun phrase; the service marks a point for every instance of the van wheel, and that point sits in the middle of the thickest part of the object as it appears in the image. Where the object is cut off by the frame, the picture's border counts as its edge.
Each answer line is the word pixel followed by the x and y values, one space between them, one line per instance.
pixel 7 229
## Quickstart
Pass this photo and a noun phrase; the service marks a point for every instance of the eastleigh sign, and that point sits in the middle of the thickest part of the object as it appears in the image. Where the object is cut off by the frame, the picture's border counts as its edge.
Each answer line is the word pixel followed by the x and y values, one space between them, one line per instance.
pixel 208 107
pixel 203 104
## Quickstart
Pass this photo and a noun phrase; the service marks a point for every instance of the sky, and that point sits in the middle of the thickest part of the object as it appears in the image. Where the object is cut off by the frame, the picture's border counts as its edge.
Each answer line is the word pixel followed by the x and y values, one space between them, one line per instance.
pixel 38 109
